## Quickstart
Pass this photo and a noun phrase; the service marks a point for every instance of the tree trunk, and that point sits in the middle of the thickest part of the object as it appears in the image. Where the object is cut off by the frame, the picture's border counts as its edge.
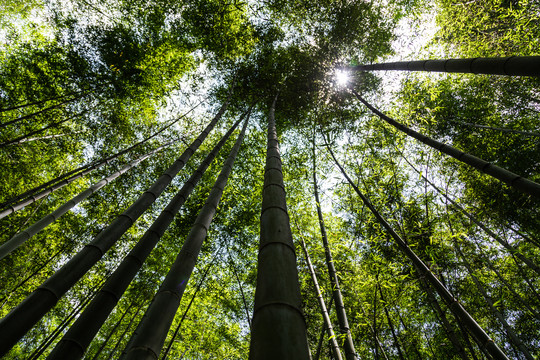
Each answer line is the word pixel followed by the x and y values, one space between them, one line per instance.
pixel 350 352
pixel 153 329
pixel 453 304
pixel 15 107
pixel 21 319
pixel 513 180
pixel 72 175
pixel 328 324
pixel 80 335
pixel 279 327
pixel 512 65
pixel 23 236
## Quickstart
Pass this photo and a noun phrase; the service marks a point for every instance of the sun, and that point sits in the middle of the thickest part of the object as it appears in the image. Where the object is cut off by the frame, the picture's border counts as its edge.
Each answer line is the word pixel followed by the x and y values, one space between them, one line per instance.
pixel 341 77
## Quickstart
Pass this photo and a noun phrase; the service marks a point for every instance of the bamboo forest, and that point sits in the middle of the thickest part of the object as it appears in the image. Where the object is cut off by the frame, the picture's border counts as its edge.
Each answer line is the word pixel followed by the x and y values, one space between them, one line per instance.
pixel 240 179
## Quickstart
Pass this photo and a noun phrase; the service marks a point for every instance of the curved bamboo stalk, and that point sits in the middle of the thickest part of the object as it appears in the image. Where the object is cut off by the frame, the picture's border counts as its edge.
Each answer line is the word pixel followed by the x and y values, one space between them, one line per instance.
pixel 21 319
pixel 512 65
pixel 454 305
pixel 152 331
pixel 23 236
pixel 80 335
pixel 328 324
pixel 35 194
pixel 350 352
pixel 487 230
pixel 279 328
pixel 15 107
pixel 519 183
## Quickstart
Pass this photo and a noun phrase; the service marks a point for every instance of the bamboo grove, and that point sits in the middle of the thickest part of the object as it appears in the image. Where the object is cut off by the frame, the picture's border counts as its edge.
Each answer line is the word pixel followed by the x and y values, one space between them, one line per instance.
pixel 214 179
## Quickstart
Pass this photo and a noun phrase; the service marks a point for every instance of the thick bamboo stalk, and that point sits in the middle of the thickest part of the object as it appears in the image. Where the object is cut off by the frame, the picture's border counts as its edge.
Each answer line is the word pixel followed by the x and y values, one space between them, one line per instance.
pixel 350 352
pixel 328 324
pixel 23 236
pixel 62 180
pixel 21 319
pixel 153 329
pixel 454 305
pixel 517 182
pixel 80 335
pixel 279 328
pixel 512 65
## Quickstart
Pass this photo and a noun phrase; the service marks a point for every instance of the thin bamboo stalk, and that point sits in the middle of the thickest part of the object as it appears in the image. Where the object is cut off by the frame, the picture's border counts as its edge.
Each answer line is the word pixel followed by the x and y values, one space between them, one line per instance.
pixel 519 183
pixel 23 236
pixel 443 292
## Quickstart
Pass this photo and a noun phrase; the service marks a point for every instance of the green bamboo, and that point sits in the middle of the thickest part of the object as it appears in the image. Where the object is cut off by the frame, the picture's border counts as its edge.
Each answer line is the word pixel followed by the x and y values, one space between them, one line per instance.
pixel 23 236
pixel 152 331
pixel 327 323
pixel 78 338
pixel 278 325
pixel 350 352
pixel 514 180
pixel 21 319
pixel 454 305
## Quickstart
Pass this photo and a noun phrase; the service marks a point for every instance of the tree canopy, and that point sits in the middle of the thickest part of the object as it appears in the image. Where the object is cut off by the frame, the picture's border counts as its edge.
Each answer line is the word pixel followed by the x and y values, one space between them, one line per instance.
pixel 99 99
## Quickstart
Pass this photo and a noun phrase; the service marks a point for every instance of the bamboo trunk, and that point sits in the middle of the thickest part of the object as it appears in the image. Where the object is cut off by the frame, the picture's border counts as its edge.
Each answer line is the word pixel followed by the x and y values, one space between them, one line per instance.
pixel 21 319
pixel 350 352
pixel 512 65
pixel 279 327
pixel 79 336
pixel 152 331
pixel 328 324
pixel 454 305
pixel 23 236
pixel 513 180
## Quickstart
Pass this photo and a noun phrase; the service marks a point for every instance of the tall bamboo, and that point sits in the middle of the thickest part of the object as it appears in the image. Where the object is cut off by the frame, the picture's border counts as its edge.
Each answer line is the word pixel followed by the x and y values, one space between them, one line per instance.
pixel 21 319
pixel 326 317
pixel 278 324
pixel 39 192
pixel 454 305
pixel 152 331
pixel 350 352
pixel 511 65
pixel 23 236
pixel 15 107
pixel 519 183
pixel 80 335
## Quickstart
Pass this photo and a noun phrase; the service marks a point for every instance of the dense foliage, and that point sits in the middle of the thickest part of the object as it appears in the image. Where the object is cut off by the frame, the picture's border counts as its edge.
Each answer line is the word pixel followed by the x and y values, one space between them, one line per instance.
pixel 82 81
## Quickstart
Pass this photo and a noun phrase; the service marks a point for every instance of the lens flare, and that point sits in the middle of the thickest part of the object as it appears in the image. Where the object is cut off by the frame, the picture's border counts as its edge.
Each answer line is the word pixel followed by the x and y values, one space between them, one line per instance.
pixel 342 78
